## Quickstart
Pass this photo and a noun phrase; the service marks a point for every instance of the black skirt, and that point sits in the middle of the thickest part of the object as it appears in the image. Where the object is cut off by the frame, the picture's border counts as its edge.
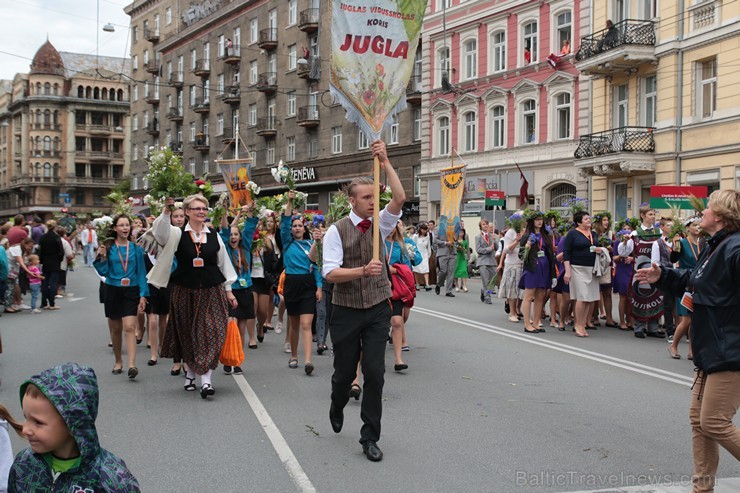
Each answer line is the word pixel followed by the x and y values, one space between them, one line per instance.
pixel 245 304
pixel 300 294
pixel 397 308
pixel 121 302
pixel 260 285
pixel 158 301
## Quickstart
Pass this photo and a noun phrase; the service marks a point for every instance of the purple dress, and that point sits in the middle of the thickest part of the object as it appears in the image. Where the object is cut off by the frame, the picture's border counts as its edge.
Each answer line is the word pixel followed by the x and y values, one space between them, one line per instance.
pixel 622 275
pixel 561 287
pixel 540 278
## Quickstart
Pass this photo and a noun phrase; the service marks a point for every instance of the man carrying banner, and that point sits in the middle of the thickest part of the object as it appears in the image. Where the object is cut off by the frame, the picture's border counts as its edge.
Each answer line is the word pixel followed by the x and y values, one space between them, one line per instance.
pixel 362 311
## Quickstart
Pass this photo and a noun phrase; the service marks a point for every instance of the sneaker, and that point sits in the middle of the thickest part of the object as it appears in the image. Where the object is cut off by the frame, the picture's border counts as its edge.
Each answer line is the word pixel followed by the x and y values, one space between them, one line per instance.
pixel 669 339
pixel 35 310
pixel 23 307
pixel 279 328
pixel 59 296
pixel 238 370
pixel 227 370
pixel 286 347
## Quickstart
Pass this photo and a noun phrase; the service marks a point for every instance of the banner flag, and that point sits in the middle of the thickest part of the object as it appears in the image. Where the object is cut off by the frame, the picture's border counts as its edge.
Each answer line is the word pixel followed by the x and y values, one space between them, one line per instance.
pixel 453 186
pixel 373 45
pixel 236 177
pixel 495 198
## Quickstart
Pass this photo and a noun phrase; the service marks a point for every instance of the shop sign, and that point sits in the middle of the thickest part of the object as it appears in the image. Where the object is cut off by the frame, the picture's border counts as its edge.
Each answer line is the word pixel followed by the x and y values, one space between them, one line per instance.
pixel 477 186
pixel 410 209
pixel 663 197
pixel 304 174
pixel 495 198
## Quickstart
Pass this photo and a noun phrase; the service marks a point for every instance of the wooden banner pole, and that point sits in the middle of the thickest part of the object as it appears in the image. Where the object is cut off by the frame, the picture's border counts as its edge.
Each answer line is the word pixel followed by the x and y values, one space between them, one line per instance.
pixel 376 208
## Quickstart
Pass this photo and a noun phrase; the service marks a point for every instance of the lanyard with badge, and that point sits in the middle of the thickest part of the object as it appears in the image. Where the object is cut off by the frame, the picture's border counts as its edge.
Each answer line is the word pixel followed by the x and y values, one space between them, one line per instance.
pixel 197 261
pixel 541 251
pixel 590 238
pixel 125 281
pixel 238 266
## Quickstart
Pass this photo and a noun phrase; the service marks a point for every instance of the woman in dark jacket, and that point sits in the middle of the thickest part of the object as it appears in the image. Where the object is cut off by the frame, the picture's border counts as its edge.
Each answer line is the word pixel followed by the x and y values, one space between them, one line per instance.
pixel 714 292
pixel 538 270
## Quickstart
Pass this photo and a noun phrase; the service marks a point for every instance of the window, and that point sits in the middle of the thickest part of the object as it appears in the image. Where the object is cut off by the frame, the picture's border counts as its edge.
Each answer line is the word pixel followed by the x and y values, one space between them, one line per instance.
pixel 563 25
pixel 253 72
pixel 291 57
pixel 205 166
pixel 291 103
pixel 529 121
pixel 192 131
pixel 135 122
pixel 621 106
pixel 706 100
pixel 336 140
pixel 562 116
pixel 620 11
pixel 220 124
pixel 191 166
pixel 417 124
pixel 650 100
pixel 193 59
pixel 221 46
pixel 560 194
pixel 444 64
pixel 146 89
pixel 135 184
pixel 180 67
pixel 134 34
pixel 168 16
pixel 313 148
pixel 498 135
pixel 362 140
pixel 272 20
pixel 444 4
pixel 156 24
pixel 253 28
pixel 272 63
pixel 470 48
pixel 292 12
pixel 237 38
pixel 312 201
pixel 394 130
pixel 134 152
pixel 235 118
pixel 135 63
pixel 648 9
pixel 530 43
pixel 192 95
pixel 252 115
pixel 146 119
pixel 471 131
pixel 290 149
pixel 220 84
pixel 416 172
pixel 443 136
pixel 136 92
pixel 206 55
pixel 313 42
pixel 499 51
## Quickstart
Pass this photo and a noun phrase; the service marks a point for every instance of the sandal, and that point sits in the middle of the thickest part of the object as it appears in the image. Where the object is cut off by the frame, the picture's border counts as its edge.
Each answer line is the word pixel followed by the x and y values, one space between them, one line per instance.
pixel 293 363
pixel 613 325
pixel 674 355
pixel 189 384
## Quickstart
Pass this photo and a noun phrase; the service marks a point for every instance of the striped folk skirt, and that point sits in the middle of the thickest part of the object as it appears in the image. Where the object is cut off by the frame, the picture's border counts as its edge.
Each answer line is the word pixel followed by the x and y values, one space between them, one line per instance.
pixel 196 328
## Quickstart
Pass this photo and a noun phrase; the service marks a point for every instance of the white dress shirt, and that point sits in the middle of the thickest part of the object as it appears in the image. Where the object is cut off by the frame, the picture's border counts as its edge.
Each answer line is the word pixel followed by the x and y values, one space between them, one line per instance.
pixel 333 256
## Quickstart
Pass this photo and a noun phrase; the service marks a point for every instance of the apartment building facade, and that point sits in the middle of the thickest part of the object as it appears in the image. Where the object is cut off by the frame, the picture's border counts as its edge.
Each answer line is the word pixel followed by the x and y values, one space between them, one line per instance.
pixel 64 135
pixel 664 98
pixel 502 92
pixel 260 68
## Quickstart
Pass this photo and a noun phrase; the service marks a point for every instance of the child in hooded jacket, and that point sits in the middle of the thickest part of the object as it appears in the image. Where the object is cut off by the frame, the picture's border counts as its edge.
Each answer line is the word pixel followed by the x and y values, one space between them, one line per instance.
pixel 60 405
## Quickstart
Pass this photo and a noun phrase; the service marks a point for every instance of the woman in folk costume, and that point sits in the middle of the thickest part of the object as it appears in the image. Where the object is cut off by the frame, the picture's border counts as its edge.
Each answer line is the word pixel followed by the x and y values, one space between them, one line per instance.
pixel 538 270
pixel 302 284
pixel 623 271
pixel 201 290
pixel 647 301
pixel 238 245
pixel 424 246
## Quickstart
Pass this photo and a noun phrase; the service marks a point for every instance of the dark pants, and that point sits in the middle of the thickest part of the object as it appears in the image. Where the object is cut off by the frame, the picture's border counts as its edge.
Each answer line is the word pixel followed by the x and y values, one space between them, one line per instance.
pixel 323 313
pixel 355 331
pixel 49 288
pixel 669 304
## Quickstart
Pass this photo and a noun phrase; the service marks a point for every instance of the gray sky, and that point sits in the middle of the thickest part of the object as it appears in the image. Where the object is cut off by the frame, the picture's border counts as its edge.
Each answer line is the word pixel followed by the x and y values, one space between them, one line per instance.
pixel 69 24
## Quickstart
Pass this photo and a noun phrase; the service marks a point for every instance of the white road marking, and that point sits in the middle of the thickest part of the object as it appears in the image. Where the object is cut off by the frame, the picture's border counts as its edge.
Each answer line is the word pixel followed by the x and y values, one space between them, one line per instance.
pixel 75 299
pixel 575 351
pixel 278 442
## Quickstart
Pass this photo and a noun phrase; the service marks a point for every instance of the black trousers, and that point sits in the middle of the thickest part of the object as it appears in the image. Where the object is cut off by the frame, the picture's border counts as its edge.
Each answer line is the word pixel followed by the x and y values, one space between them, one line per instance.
pixel 669 304
pixel 354 331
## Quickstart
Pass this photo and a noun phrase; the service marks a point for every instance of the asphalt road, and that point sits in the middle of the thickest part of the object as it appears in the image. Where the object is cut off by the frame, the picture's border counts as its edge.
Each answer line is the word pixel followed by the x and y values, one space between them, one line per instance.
pixel 482 408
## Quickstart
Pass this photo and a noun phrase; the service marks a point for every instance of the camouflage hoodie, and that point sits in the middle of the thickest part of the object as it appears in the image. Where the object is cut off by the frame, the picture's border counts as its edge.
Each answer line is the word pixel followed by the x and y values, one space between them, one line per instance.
pixel 73 390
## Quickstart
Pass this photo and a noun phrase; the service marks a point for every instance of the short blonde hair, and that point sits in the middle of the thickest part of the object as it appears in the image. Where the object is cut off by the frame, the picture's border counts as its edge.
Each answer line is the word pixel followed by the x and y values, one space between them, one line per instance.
pixel 51 224
pixel 192 198
pixel 726 205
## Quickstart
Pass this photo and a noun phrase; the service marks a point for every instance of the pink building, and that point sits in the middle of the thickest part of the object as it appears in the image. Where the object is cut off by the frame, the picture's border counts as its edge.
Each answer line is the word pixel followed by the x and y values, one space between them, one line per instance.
pixel 500 89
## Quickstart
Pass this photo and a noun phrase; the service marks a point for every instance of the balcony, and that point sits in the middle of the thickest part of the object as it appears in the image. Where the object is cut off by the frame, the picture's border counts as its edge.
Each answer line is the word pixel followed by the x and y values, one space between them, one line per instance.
pixel 627 45
pixel 228 137
pixel 267 39
pixel 308 21
pixel 202 68
pixel 90 181
pixel 99 156
pixel 625 151
pixel 153 129
pixel 152 67
pixel 47 126
pixel 232 55
pixel 413 90
pixel 151 35
pixel 153 99
pixel 102 130
pixel 309 69
pixel 308 116
pixel 201 106
pixel 176 147
pixel 174 115
pixel 175 79
pixel 46 153
pixel 267 82
pixel 201 143
pixel 232 95
pixel 267 127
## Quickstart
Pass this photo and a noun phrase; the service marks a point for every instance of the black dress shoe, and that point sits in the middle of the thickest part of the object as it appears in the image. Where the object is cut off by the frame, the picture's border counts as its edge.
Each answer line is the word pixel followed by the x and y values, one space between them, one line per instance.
pixel 640 334
pixel 658 334
pixel 400 367
pixel 450 295
pixel 132 372
pixel 336 418
pixel 436 290
pixel 482 297
pixel 371 450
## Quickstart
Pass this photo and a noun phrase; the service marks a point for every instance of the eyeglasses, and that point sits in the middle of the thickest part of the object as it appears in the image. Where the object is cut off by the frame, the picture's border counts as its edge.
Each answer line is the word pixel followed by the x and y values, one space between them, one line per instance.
pixel 199 209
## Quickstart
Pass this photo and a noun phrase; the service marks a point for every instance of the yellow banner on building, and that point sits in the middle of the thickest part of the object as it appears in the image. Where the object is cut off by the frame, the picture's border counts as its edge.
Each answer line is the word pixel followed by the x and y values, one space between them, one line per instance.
pixel 453 187
pixel 236 177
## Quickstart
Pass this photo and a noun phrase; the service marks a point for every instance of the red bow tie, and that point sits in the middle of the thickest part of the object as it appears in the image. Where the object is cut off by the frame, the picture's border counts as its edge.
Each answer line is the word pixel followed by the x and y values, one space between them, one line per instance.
pixel 364 225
